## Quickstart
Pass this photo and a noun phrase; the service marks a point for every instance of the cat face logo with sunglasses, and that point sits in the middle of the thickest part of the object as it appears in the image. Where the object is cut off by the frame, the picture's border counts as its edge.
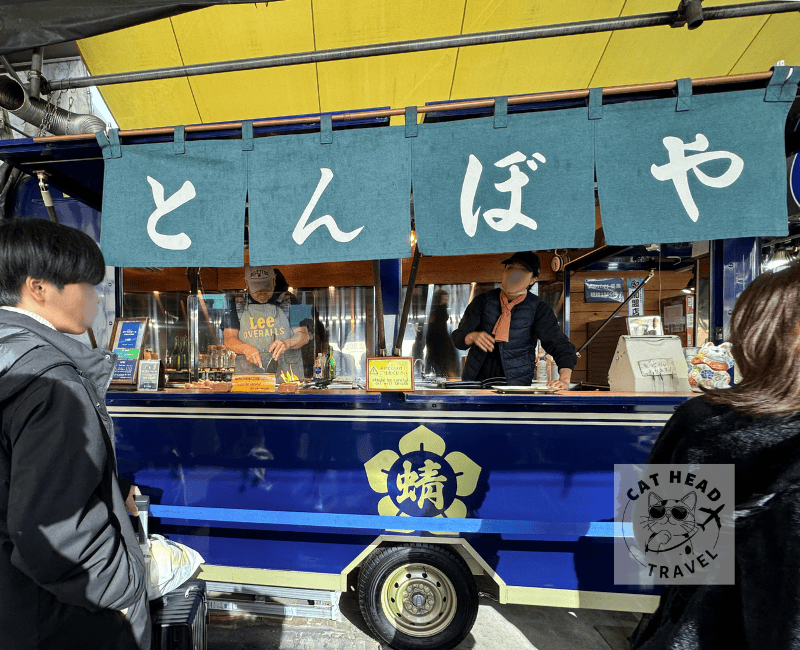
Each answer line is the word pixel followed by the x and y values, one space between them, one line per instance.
pixel 671 524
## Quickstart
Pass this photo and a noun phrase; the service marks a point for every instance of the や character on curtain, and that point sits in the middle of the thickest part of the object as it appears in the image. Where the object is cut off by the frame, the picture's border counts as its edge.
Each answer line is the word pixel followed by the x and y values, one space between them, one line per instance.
pixel 679 165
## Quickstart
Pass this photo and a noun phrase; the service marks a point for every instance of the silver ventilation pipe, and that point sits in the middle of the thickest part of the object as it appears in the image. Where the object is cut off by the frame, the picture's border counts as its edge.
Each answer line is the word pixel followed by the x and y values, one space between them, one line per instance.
pixel 36 111
pixel 35 74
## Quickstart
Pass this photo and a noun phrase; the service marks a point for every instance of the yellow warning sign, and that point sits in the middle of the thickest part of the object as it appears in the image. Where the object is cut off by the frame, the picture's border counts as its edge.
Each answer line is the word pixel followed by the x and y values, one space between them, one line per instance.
pixel 253 383
pixel 390 374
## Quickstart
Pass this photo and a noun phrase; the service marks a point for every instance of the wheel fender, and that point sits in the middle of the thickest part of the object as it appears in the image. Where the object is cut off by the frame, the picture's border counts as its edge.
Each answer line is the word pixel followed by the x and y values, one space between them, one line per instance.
pixel 477 565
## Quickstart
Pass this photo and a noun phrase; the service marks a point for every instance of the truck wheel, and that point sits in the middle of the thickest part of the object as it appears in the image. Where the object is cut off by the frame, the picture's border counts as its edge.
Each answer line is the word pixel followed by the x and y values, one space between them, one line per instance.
pixel 417 596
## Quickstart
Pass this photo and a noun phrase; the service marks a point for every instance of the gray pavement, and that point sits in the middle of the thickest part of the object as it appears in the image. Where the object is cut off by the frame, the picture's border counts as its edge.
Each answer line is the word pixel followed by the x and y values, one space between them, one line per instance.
pixel 498 627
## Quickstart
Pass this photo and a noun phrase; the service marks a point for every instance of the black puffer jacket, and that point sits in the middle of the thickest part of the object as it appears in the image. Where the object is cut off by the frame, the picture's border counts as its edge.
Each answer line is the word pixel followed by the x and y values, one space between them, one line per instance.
pixel 762 610
pixel 69 559
pixel 532 320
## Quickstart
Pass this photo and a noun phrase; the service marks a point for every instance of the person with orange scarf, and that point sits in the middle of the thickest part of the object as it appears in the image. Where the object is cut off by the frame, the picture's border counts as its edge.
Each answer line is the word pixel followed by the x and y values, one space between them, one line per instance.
pixel 501 329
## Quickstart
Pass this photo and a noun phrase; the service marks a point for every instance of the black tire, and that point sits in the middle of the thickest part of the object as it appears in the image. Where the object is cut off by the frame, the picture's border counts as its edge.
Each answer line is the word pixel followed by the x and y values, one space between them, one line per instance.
pixel 445 598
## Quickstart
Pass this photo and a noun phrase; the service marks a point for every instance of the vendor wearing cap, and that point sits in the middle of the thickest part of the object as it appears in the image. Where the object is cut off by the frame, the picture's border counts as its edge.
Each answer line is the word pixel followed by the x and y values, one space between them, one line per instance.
pixel 501 329
pixel 262 332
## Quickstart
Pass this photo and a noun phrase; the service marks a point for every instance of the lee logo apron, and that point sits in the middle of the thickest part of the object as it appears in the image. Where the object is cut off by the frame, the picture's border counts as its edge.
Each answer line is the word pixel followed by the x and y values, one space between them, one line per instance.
pixel 260 326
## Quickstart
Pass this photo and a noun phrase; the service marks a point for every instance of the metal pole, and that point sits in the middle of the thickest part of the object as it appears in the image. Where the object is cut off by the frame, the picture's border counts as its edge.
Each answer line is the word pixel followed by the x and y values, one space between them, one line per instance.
pixel 446 106
pixel 567 300
pixel 426 44
pixel 412 281
pixel 20 131
pixel 10 70
pixel 193 274
pixel 376 276
pixel 35 74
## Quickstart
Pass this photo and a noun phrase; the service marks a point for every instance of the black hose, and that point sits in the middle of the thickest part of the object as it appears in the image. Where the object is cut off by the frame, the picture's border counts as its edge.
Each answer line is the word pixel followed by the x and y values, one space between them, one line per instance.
pixel 7 192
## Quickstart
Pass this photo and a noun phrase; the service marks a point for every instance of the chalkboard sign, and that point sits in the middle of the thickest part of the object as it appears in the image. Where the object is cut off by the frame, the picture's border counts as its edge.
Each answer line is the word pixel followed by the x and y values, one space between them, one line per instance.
pixel 127 342
pixel 390 374
pixel 148 374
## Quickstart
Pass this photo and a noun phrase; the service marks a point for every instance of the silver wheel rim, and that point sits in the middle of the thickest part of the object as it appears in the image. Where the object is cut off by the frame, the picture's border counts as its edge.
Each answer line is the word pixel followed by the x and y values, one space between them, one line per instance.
pixel 418 600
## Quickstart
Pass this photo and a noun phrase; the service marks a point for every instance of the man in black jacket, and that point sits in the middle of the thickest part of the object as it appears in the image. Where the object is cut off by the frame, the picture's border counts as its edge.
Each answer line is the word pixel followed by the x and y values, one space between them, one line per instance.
pixel 501 329
pixel 72 574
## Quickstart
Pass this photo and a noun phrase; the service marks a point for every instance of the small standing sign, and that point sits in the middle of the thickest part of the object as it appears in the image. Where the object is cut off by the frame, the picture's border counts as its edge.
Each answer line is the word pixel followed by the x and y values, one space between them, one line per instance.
pixel 149 372
pixel 390 374
pixel 127 342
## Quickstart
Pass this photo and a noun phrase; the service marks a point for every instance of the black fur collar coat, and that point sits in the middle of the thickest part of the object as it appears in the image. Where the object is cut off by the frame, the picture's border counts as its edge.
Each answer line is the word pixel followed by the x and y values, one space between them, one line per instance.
pixel 762 610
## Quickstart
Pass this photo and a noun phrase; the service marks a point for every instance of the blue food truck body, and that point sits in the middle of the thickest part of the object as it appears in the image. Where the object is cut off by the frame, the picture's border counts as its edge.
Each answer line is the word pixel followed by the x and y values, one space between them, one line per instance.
pixel 536 472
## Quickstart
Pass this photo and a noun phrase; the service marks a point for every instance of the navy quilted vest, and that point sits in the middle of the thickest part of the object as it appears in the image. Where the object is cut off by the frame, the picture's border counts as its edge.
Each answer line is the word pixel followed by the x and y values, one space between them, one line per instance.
pixel 518 355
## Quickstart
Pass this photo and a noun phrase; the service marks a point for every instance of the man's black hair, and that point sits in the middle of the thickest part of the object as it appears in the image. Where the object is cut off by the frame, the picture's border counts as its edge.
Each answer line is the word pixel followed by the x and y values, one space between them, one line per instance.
pixel 41 249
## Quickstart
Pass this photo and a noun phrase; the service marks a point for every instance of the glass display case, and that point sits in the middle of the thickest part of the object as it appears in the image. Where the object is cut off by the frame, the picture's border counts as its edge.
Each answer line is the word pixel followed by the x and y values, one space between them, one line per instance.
pixel 188 332
pixel 169 323
pixel 232 333
pixel 436 310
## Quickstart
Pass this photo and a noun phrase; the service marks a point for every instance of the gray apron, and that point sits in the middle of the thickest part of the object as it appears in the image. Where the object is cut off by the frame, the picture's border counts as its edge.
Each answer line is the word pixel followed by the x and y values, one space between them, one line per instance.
pixel 260 326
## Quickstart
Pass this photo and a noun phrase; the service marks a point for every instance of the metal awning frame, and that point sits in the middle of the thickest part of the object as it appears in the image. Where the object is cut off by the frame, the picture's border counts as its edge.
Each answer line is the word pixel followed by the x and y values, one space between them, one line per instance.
pixel 453 109
pixel 665 18
pixel 74 162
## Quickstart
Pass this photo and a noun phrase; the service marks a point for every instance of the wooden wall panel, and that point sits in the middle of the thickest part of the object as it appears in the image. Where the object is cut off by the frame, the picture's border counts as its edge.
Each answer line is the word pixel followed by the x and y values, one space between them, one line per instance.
pixel 665 284
pixel 458 269
pixel 463 269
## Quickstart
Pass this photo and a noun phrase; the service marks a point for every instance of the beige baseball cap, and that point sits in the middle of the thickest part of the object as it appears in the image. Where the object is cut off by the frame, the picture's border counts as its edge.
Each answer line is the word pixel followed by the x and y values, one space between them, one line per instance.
pixel 260 278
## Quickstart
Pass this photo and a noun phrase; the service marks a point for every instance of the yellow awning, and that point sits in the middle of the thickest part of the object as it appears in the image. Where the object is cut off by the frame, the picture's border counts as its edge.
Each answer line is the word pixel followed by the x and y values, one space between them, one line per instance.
pixel 222 33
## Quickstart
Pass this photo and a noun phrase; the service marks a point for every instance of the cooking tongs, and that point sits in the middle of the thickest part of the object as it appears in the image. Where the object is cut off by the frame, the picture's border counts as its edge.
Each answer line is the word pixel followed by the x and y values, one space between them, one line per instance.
pixel 491 382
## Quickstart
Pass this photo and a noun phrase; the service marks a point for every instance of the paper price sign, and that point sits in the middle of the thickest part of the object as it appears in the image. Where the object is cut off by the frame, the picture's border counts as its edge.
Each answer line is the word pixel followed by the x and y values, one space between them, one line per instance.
pixel 390 374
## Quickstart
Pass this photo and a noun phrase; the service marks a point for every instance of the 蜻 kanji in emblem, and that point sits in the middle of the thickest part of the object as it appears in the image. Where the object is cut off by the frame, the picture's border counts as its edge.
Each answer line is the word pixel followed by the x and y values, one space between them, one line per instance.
pixel 421 481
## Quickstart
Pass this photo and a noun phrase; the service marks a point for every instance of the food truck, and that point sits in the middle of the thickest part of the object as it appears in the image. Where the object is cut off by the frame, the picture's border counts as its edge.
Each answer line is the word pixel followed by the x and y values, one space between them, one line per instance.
pixel 423 496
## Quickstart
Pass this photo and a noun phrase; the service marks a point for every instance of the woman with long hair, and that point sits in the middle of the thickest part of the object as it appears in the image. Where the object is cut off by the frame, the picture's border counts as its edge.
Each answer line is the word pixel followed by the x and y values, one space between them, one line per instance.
pixel 755 425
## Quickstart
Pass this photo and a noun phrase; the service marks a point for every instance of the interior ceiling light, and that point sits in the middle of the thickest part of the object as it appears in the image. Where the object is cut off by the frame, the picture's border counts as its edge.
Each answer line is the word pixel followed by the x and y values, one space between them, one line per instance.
pixel 689 288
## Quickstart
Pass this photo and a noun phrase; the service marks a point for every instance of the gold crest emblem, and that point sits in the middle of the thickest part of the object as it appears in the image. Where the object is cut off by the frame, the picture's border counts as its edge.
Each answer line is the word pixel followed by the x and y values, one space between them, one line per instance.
pixel 421 481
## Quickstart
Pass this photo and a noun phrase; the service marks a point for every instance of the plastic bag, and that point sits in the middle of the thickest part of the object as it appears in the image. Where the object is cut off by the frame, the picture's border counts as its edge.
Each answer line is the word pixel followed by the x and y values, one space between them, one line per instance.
pixel 169 565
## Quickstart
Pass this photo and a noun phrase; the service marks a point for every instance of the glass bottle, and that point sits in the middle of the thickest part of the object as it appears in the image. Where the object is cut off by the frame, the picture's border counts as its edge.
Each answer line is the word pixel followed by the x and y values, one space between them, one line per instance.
pixel 318 370
pixel 184 353
pixel 331 367
pixel 174 356
pixel 213 357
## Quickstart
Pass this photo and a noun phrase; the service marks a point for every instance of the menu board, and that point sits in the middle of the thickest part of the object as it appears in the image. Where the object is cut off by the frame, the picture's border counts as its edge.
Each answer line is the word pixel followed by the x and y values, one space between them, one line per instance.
pixel 390 374
pixel 127 342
